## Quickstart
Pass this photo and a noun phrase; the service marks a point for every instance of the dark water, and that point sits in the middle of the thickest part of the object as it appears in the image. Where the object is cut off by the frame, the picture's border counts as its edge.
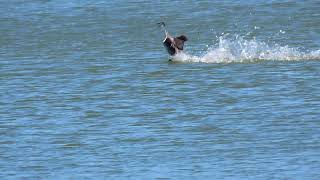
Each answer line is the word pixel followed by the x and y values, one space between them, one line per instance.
pixel 87 91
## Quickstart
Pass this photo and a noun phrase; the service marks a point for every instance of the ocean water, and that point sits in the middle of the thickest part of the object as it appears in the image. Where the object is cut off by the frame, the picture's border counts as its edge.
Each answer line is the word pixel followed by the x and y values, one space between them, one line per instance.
pixel 87 91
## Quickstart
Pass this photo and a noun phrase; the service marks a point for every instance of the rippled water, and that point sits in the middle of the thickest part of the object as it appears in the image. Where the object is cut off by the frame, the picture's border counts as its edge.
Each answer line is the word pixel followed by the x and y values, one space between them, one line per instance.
pixel 87 90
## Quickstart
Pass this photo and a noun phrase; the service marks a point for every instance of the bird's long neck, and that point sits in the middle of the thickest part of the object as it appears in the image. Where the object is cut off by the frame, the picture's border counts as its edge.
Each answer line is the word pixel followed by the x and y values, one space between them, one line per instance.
pixel 165 30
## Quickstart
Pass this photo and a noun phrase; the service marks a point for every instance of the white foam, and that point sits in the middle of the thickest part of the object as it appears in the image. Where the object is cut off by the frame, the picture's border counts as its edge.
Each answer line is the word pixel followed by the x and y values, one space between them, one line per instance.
pixel 238 49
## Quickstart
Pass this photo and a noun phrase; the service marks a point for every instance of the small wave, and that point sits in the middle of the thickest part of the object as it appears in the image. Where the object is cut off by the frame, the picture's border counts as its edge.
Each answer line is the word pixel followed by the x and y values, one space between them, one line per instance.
pixel 238 50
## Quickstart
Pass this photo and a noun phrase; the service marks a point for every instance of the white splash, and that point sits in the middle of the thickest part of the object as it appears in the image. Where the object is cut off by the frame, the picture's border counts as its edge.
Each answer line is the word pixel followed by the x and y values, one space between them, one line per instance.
pixel 239 50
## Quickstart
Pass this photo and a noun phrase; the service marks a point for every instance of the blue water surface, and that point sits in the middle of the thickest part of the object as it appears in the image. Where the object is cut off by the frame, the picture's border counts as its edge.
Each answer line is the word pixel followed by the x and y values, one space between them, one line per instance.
pixel 87 91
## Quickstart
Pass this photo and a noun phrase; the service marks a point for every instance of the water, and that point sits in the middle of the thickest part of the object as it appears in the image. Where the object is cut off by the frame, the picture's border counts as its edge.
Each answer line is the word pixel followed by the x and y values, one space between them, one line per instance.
pixel 87 91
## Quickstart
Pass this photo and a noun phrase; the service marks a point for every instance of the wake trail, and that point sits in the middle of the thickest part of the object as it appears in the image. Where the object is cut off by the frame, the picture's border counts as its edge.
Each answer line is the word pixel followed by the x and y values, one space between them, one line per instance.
pixel 240 50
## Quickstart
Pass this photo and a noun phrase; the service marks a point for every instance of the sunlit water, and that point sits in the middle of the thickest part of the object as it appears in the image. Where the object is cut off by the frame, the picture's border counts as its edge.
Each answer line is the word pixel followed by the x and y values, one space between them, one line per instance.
pixel 87 90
